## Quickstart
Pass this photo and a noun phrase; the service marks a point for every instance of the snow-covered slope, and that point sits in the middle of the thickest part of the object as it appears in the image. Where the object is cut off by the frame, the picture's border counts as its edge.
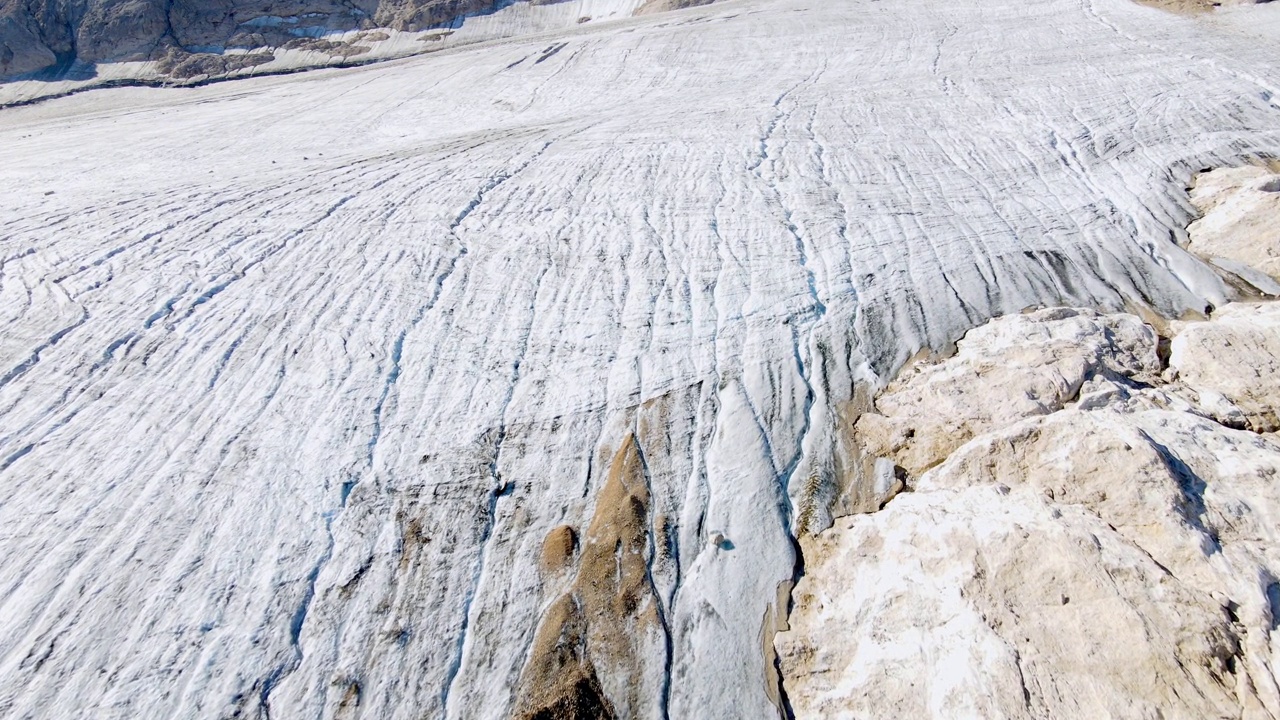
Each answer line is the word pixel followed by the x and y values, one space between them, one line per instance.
pixel 499 381
pixel 248 38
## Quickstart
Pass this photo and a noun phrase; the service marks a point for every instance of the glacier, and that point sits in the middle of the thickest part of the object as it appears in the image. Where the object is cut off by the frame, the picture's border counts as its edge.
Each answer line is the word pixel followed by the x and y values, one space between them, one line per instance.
pixel 309 384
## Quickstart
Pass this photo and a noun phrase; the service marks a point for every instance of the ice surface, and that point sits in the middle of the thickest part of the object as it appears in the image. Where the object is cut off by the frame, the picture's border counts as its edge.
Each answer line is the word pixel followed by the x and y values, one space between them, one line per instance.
pixel 297 372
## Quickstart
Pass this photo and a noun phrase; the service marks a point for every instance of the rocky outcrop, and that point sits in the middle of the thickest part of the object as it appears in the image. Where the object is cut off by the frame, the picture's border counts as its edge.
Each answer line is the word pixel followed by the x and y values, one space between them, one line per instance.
pixel 1233 365
pixel 932 409
pixel 1196 7
pixel 31 37
pixel 1238 231
pixel 1094 544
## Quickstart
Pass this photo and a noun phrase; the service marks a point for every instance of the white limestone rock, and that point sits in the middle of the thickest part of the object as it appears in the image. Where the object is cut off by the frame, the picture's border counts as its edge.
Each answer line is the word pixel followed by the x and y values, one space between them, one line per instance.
pixel 1240 226
pixel 1116 557
pixel 1237 358
pixel 1013 367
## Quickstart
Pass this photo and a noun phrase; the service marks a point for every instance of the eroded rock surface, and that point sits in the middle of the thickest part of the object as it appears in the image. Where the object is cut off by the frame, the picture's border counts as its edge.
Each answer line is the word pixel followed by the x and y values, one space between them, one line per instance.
pixel 1101 547
pixel 1234 363
pixel 934 408
pixel 102 30
pixel 1239 230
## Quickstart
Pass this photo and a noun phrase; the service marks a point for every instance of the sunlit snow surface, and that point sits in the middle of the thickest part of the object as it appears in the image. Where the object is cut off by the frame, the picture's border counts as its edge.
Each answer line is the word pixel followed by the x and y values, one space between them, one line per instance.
pixel 297 372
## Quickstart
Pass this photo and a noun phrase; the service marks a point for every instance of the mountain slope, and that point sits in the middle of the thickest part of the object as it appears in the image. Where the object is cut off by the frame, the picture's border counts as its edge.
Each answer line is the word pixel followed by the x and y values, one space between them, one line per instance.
pixel 51 47
pixel 395 391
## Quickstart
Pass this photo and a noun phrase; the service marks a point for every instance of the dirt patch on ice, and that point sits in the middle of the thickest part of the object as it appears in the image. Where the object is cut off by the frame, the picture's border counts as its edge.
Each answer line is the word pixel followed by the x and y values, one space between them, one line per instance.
pixel 1181 7
pixel 657 6
pixel 1192 7
pixel 608 621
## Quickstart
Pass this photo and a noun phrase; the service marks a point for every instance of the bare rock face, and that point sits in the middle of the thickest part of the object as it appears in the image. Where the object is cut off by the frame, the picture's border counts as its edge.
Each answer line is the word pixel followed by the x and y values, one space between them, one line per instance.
pixel 932 409
pixel 115 30
pixel 1100 546
pixel 20 48
pixel 203 22
pixel 1238 230
pixel 422 14
pixel 1234 362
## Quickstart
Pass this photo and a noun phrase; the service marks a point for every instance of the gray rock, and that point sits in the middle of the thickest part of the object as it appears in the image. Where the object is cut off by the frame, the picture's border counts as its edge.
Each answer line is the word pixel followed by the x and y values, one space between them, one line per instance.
pixel 21 50
pixel 656 6
pixel 120 30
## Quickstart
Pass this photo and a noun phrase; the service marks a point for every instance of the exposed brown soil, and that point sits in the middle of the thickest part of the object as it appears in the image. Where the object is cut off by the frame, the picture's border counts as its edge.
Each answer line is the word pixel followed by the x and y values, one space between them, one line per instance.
pixel 609 610
pixel 657 6
pixel 1182 7
pixel 558 548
